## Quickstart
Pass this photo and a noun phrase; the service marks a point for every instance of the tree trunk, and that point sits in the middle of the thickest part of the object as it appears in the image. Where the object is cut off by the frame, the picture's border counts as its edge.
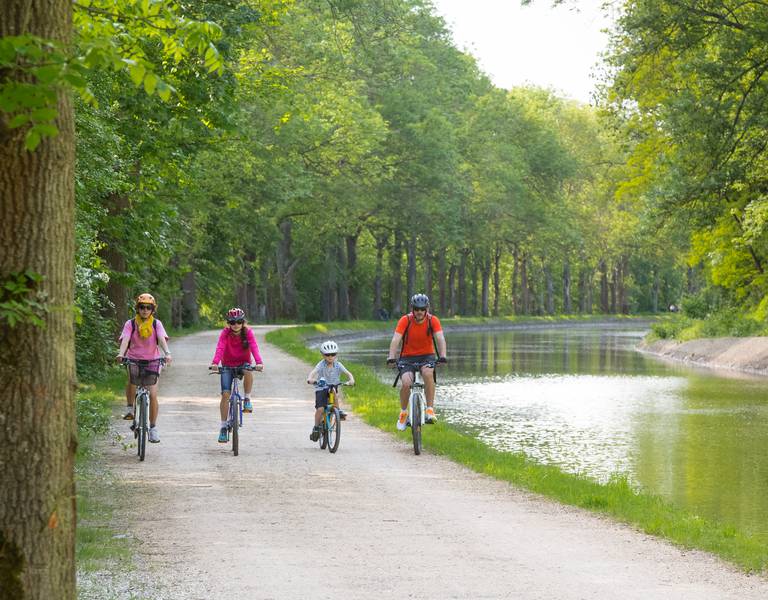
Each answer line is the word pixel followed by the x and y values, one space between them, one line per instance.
pixel 343 284
pixel 110 253
pixel 567 307
pixel 286 265
pixel 38 432
pixel 496 280
pixel 378 303
pixel 412 265
pixel 353 291
pixel 524 290
pixel 442 274
pixel 428 277
pixel 452 289
pixel 190 312
pixel 655 292
pixel 605 307
pixel 515 272
pixel 396 267
pixel 550 285
pixel 486 288
pixel 463 283
pixel 612 289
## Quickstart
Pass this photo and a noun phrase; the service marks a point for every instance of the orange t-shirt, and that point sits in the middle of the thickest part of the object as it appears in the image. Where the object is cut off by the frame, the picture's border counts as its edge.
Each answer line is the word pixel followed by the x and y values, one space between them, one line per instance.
pixel 418 342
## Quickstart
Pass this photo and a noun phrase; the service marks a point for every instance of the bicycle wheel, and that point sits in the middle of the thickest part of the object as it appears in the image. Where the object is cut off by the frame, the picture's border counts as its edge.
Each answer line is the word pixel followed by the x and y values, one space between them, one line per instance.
pixel 334 429
pixel 141 425
pixel 233 409
pixel 416 424
pixel 324 430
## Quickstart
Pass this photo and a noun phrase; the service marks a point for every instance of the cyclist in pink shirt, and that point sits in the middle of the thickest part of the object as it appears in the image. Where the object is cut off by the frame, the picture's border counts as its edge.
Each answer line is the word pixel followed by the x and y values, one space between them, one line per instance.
pixel 236 346
pixel 142 338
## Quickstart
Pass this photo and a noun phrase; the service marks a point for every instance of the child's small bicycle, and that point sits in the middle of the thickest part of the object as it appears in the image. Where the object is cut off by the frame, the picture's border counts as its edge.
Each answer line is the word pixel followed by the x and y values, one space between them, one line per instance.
pixel 330 426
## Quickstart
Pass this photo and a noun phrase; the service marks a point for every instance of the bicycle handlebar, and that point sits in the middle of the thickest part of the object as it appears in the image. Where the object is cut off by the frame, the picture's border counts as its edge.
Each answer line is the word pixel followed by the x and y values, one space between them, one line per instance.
pixel 216 369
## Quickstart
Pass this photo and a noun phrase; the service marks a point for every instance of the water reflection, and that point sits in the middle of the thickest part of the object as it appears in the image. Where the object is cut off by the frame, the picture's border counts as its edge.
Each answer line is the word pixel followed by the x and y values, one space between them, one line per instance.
pixel 585 400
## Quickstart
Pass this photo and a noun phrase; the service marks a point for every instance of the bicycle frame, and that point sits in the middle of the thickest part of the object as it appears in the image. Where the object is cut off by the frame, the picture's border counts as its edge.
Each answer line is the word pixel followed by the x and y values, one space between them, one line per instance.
pixel 330 426
pixel 141 403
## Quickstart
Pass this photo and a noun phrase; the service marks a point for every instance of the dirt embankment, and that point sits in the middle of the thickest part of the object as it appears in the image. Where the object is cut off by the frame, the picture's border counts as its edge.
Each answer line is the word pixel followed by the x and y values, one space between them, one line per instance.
pixel 749 355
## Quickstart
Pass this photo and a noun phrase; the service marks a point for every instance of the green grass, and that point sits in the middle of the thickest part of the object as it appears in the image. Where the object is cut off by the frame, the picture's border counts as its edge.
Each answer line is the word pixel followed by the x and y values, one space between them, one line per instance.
pixel 97 547
pixel 376 403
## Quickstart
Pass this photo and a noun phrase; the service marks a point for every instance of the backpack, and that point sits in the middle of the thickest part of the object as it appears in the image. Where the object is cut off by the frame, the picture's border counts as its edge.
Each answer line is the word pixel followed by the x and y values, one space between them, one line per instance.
pixel 133 330
pixel 429 332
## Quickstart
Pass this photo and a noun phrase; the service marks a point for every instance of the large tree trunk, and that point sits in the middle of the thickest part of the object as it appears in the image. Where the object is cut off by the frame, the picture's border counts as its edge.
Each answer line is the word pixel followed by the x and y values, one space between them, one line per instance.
pixel 110 253
pixel 38 432
pixel 524 289
pixel 286 265
pixel 452 290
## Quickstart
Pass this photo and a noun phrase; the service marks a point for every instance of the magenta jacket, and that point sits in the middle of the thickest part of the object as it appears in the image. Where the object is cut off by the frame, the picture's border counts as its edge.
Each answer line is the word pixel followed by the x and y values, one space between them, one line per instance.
pixel 230 351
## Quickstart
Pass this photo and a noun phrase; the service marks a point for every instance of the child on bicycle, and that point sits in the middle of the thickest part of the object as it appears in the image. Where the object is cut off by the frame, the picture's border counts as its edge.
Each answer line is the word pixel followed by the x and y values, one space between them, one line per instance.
pixel 328 370
pixel 142 338
pixel 236 346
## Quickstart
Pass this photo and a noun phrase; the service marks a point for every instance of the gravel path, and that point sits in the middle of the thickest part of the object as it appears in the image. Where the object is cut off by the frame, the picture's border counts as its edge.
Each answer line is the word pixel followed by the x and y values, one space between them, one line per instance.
pixel 285 520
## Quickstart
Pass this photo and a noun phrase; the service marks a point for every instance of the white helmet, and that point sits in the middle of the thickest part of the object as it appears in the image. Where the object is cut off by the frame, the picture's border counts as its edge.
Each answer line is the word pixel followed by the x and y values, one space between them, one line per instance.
pixel 329 347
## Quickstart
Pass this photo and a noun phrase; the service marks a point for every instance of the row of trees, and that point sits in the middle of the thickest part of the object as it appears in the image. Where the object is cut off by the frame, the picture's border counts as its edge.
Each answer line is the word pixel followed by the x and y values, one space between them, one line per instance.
pixel 350 156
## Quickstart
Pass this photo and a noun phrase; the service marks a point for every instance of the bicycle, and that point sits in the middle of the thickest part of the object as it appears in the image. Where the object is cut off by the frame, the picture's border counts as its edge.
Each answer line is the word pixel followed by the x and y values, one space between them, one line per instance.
pixel 235 415
pixel 330 426
pixel 417 403
pixel 142 374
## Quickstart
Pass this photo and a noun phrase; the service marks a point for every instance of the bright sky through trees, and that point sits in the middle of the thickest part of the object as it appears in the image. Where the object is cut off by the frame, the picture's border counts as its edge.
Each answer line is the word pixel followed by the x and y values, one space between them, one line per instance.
pixel 553 47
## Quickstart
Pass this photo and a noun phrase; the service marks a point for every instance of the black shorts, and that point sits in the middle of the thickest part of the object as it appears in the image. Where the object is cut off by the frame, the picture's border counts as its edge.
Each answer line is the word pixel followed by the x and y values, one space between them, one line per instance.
pixel 321 397
pixel 411 364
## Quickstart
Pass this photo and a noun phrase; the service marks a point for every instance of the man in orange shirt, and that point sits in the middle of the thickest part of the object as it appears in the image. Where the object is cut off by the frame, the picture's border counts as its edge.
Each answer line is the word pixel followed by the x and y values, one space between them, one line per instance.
pixel 419 333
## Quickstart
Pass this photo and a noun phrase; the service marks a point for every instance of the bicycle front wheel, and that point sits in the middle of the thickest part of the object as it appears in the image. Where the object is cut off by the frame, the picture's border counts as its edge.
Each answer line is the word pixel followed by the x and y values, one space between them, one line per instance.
pixel 416 425
pixel 141 424
pixel 234 407
pixel 334 429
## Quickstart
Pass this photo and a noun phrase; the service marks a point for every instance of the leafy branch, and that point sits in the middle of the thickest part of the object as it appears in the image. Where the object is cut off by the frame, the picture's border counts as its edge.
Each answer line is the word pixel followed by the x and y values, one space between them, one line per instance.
pixel 21 300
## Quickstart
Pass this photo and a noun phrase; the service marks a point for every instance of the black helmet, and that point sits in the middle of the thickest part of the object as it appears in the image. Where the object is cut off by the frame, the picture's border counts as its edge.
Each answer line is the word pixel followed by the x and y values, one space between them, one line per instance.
pixel 420 301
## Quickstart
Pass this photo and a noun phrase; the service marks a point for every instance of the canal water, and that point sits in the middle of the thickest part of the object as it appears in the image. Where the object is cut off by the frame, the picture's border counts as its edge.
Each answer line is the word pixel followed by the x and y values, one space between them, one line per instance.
pixel 584 399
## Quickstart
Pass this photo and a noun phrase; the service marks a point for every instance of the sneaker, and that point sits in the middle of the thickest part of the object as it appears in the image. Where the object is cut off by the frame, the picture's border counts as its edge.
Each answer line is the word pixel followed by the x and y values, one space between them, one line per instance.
pixel 430 417
pixel 315 435
pixel 128 416
pixel 342 415
pixel 402 419
pixel 223 436
pixel 247 406
pixel 154 436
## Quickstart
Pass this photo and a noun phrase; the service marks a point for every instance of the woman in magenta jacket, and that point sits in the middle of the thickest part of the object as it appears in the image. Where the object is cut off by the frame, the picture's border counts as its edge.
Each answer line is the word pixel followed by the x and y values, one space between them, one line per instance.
pixel 236 346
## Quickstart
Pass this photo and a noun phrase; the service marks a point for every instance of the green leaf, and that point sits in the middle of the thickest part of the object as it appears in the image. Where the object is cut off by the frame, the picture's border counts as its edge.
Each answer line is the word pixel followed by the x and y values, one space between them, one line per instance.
pixel 150 82
pixel 137 72
pixel 44 114
pixel 18 121
pixel 32 141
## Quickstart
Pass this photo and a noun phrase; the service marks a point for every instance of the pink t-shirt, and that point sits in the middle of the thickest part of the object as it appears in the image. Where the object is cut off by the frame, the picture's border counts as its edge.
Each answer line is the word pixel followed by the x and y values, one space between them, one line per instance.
pixel 230 351
pixel 143 348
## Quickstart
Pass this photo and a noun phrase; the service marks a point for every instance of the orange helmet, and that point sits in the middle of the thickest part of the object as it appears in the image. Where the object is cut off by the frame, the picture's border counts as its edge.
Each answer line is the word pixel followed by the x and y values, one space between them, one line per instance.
pixel 146 299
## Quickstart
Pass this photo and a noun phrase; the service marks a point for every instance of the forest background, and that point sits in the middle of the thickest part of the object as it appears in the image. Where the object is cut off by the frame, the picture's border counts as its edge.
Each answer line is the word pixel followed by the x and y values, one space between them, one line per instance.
pixel 325 159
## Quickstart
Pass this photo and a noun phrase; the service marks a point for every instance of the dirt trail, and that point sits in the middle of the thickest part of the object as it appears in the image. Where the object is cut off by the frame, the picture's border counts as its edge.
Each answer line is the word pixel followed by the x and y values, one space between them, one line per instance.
pixel 285 520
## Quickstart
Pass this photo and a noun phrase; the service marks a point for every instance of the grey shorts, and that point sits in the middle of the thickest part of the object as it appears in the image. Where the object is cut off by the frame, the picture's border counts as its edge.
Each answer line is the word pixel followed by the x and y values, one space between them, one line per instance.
pixel 411 364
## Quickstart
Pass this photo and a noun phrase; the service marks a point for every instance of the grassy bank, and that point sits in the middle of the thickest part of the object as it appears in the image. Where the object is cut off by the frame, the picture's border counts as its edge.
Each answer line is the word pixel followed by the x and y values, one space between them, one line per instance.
pixel 99 547
pixel 376 403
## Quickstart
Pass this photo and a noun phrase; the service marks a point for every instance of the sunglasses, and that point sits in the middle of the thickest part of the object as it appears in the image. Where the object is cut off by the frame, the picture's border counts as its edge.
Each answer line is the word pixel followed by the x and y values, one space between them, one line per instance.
pixel 334 354
pixel 419 310
pixel 145 307
pixel 238 321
